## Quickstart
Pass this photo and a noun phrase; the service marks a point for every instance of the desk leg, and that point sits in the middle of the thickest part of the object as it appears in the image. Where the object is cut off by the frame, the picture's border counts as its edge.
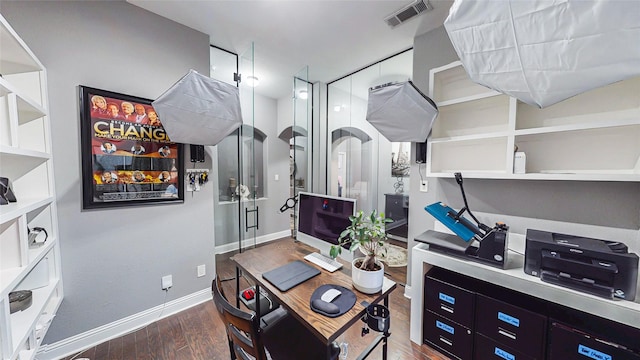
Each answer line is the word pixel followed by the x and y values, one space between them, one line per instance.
pixel 237 287
pixel 386 333
pixel 257 297
pixel 383 337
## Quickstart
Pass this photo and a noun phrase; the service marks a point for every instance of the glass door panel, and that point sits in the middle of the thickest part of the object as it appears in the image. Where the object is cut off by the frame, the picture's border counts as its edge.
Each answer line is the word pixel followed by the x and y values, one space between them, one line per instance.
pixel 353 166
pixel 363 164
pixel 247 185
pixel 223 65
pixel 225 171
pixel 301 144
pixel 235 211
pixel 301 140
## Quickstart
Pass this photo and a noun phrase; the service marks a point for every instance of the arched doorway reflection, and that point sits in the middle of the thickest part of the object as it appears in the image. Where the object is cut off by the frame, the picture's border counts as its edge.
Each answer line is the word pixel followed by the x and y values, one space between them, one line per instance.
pixel 351 166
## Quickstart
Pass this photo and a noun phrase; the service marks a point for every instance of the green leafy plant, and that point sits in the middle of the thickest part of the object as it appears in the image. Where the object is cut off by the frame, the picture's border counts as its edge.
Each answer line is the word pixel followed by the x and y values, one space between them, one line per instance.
pixel 368 234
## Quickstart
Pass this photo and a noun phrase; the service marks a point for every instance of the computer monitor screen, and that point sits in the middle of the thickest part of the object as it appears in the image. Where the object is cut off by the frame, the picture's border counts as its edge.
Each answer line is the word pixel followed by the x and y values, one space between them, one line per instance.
pixel 321 220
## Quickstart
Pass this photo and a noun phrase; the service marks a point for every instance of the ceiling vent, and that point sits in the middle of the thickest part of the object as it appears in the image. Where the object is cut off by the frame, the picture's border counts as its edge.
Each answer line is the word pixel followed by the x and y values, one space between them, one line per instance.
pixel 408 12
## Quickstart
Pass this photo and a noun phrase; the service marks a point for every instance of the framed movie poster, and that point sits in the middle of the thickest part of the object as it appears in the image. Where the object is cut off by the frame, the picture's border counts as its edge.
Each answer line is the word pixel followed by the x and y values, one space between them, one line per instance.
pixel 127 157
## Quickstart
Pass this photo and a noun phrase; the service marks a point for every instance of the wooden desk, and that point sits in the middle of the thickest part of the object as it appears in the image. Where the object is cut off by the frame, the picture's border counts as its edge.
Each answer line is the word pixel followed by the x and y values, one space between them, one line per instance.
pixel 257 261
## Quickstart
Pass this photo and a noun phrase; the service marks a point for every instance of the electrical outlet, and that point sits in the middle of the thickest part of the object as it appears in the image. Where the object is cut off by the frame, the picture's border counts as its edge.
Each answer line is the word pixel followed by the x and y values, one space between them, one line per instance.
pixel 276 177
pixel 202 270
pixel 424 186
pixel 167 282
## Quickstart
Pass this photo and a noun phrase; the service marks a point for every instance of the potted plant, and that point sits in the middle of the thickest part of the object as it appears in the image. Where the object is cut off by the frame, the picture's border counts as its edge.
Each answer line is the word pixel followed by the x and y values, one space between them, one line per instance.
pixel 366 233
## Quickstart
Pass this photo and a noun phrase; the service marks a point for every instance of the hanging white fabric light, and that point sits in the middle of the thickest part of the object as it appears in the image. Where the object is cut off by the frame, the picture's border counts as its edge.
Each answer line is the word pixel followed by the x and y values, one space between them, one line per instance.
pixel 199 110
pixel 400 112
pixel 542 52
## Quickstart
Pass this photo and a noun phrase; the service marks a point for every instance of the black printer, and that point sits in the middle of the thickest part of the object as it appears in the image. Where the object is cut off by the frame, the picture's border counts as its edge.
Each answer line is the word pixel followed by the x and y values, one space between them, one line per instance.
pixel 599 267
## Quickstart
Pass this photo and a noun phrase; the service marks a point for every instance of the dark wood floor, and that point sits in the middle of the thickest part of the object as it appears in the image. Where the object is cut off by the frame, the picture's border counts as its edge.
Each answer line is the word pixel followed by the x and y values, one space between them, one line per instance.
pixel 197 333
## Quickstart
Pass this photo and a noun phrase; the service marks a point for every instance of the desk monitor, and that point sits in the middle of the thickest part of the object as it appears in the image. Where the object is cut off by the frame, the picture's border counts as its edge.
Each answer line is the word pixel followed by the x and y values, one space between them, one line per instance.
pixel 321 220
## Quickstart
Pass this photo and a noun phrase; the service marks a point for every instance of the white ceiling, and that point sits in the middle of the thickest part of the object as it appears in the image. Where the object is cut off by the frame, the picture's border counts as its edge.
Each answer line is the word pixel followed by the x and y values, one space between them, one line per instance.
pixel 332 37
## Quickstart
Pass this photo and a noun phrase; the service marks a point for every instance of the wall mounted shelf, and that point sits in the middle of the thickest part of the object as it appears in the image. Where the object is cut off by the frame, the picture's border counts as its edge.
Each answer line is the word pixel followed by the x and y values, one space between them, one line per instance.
pixel 594 136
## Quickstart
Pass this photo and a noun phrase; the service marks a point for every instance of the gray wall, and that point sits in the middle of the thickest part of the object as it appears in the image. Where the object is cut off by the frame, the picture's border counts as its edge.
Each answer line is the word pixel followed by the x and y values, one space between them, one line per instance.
pixel 430 50
pixel 610 204
pixel 112 260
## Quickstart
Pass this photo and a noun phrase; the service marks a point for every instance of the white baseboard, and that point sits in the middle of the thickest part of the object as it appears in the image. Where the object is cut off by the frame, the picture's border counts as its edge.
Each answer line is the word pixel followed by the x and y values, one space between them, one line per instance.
pixel 407 291
pixel 247 243
pixel 93 337
pixel 99 335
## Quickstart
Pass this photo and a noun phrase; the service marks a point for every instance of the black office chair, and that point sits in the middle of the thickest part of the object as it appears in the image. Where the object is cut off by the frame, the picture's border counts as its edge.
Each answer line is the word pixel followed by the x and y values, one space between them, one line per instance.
pixel 216 287
pixel 282 335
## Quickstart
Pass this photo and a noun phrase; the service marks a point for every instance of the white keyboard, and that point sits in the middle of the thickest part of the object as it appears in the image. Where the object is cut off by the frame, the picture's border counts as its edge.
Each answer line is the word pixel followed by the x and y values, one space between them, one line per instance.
pixel 323 261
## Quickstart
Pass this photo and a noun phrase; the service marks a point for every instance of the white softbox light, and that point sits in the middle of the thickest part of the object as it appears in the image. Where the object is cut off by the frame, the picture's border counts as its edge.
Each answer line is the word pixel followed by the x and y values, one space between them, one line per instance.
pixel 542 52
pixel 199 110
pixel 400 112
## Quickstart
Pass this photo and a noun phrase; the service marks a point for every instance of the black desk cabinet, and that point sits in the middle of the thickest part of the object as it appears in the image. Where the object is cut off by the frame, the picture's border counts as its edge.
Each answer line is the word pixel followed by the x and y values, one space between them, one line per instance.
pixel 449 313
pixel 396 208
pixel 511 325
pixel 450 301
pixel 488 349
pixel 567 343
pixel 470 319
pixel 448 336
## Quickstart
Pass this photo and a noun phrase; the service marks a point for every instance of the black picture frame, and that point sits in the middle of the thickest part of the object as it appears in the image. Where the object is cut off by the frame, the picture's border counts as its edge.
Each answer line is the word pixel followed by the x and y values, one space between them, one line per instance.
pixel 126 160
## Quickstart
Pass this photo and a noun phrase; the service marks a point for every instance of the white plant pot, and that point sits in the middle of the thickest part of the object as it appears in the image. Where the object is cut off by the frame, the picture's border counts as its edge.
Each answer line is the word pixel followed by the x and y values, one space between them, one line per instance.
pixel 368 282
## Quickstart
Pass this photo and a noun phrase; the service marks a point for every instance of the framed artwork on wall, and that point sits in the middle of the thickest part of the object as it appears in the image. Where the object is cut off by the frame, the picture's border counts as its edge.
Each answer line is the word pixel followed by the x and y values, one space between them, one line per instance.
pixel 400 156
pixel 127 157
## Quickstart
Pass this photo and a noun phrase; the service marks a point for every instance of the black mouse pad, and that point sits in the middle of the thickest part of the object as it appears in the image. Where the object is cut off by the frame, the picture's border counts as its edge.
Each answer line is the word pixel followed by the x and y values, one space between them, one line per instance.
pixel 344 302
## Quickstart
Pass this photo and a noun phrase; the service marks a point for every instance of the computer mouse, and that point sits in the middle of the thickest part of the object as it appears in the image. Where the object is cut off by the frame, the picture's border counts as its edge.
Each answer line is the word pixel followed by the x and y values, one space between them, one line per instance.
pixel 330 295
pixel 325 307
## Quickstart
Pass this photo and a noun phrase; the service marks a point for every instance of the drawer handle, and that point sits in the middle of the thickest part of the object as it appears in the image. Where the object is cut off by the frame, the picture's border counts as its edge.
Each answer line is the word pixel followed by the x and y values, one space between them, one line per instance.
pixel 446 308
pixel 444 340
pixel 506 333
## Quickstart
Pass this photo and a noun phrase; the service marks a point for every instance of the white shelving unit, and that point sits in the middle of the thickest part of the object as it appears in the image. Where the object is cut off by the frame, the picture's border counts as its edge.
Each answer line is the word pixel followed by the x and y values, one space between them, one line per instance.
pixel 592 136
pixel 25 159
pixel 624 312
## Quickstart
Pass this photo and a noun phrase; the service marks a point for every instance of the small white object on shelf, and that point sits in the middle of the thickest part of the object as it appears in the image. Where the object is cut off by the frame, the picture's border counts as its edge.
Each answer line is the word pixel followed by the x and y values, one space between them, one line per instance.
pixel 243 191
pixel 519 162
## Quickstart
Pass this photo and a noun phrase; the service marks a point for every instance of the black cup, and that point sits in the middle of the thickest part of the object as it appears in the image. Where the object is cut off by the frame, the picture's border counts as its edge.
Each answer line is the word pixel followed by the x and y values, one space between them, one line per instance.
pixel 378 317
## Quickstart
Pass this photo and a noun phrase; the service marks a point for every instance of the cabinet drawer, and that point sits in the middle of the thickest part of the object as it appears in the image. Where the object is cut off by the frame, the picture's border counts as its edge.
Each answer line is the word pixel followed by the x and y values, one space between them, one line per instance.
pixel 566 343
pixel 510 325
pixel 488 349
pixel 447 336
pixel 449 301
